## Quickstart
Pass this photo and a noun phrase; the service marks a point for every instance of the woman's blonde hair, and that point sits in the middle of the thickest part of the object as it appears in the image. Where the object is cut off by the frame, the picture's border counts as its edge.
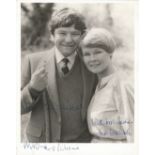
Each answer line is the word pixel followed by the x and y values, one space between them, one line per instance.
pixel 100 38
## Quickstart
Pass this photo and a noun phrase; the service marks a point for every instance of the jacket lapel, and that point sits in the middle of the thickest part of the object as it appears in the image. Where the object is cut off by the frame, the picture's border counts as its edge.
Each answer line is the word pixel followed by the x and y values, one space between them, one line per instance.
pixel 52 83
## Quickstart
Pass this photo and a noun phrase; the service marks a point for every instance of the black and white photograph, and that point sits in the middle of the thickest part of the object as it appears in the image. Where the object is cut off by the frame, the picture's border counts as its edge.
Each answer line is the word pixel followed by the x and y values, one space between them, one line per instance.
pixel 77 72
pixel 77 77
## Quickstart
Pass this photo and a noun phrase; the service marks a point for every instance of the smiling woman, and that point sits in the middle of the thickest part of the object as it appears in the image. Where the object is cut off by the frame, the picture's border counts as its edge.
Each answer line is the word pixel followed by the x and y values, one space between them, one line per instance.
pixel 98 47
pixel 97 60
pixel 113 99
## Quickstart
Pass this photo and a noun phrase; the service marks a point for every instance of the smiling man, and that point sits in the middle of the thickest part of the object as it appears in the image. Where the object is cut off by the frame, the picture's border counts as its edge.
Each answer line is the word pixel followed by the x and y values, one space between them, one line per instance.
pixel 56 86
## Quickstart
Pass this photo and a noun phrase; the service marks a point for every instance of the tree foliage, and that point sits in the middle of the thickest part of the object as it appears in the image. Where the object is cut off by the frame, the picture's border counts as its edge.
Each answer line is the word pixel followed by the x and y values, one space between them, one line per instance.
pixel 34 31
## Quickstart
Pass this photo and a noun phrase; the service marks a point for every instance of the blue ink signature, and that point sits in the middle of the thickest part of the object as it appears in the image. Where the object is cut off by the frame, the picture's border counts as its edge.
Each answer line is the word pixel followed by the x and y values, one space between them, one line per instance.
pixel 54 148
pixel 112 133
pixel 105 122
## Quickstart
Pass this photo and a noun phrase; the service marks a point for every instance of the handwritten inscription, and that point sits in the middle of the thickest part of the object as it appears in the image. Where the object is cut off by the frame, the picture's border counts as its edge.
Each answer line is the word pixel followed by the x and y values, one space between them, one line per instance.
pixel 111 133
pixel 105 122
pixel 54 148
pixel 112 127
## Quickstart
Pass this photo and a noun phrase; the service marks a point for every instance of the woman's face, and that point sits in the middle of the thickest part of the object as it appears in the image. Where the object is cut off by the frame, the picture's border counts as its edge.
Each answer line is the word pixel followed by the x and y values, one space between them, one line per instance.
pixel 96 59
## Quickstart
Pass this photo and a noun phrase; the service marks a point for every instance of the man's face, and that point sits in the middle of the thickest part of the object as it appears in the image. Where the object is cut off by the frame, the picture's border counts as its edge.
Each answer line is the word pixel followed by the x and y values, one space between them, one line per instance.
pixel 66 39
pixel 96 59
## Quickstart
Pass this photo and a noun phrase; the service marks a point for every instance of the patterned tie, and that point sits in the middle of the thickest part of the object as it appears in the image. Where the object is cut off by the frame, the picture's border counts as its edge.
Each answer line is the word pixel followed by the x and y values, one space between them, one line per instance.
pixel 64 68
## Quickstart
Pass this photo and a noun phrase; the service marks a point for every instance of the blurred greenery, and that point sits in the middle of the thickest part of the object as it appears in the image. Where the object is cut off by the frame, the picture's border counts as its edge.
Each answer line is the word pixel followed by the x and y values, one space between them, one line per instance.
pixel 34 29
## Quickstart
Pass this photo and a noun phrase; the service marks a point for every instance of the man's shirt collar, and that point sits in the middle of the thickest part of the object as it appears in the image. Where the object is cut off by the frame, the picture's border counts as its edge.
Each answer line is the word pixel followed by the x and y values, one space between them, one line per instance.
pixel 59 58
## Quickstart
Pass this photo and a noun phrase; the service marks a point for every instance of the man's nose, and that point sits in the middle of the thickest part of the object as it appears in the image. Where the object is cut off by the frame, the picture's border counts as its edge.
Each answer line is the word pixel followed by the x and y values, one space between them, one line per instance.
pixel 68 38
pixel 92 57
